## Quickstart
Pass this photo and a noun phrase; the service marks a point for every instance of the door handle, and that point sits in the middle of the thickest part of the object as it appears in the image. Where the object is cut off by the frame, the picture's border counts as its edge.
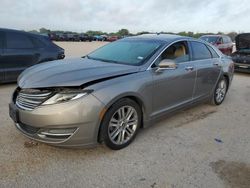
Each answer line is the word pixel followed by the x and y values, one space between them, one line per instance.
pixel 216 64
pixel 189 68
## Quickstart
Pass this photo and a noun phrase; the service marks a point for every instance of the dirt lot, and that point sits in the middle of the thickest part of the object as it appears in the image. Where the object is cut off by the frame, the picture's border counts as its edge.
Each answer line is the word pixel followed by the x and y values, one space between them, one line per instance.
pixel 205 146
pixel 79 49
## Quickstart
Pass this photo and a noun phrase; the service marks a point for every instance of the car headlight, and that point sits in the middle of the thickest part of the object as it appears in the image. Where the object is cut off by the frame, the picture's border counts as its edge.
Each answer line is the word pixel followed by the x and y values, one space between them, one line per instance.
pixel 65 96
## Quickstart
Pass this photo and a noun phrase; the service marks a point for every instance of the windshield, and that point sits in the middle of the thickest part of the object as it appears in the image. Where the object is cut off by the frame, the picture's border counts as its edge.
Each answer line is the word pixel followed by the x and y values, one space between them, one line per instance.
pixel 243 42
pixel 129 52
pixel 211 40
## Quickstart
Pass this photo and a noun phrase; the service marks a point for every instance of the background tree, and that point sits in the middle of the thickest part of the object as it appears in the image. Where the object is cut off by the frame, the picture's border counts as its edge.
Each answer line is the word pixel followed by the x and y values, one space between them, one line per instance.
pixel 33 31
pixel 44 30
pixel 142 32
pixel 92 33
pixel 232 35
pixel 123 32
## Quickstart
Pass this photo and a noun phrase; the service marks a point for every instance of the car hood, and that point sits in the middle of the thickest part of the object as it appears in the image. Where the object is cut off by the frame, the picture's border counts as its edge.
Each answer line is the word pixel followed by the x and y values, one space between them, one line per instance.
pixel 243 42
pixel 71 73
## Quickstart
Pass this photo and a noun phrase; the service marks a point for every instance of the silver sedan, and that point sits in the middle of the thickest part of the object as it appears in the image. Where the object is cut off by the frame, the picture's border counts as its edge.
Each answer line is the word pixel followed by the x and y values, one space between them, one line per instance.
pixel 108 95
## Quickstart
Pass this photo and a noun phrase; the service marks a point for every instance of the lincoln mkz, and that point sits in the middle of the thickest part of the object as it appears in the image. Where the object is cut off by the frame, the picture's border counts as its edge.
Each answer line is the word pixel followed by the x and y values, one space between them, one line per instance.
pixel 108 95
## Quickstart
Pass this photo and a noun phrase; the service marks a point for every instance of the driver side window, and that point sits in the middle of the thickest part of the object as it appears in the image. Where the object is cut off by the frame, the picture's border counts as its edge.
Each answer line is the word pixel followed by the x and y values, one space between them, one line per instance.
pixel 178 52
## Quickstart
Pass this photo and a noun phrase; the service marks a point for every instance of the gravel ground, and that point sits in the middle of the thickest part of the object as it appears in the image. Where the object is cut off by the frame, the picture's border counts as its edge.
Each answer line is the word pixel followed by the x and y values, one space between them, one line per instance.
pixel 205 146
pixel 79 49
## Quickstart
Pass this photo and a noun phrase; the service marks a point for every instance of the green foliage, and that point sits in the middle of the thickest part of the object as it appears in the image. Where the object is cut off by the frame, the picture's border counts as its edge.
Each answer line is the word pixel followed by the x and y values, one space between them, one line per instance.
pixel 125 32
pixel 142 32
pixel 92 33
pixel 122 32
pixel 232 35
pixel 34 31
pixel 44 31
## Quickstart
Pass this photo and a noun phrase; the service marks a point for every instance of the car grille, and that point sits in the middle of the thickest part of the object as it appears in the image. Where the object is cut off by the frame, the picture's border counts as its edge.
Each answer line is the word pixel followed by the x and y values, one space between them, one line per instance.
pixel 29 99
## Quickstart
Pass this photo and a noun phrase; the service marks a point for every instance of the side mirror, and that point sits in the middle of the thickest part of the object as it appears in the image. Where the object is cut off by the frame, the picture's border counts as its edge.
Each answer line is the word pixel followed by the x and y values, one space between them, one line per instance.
pixel 166 64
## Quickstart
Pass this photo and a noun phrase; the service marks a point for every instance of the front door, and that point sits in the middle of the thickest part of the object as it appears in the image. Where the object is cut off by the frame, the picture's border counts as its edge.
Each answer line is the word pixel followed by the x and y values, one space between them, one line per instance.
pixel 18 54
pixel 173 88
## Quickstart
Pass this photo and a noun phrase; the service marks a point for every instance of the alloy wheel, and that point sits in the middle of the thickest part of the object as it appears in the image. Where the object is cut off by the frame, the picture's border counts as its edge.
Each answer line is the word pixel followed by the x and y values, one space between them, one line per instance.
pixel 122 125
pixel 221 91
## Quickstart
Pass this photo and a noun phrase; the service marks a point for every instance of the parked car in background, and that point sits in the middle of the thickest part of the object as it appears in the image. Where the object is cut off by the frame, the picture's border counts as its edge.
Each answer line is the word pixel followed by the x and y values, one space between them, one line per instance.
pixel 104 37
pixel 63 37
pixel 20 50
pixel 112 38
pixel 85 37
pixel 222 42
pixel 98 38
pixel 70 37
pixel 76 37
pixel 53 36
pixel 241 56
pixel 73 37
pixel 108 95
pixel 60 36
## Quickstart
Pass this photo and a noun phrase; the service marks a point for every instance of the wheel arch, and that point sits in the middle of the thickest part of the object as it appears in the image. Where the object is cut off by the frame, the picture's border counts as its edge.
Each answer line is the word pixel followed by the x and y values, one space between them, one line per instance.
pixel 227 79
pixel 132 96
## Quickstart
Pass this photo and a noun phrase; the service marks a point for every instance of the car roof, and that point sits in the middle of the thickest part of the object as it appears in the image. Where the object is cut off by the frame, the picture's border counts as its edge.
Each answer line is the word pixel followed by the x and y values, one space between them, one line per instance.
pixel 22 32
pixel 158 37
pixel 213 35
pixel 242 34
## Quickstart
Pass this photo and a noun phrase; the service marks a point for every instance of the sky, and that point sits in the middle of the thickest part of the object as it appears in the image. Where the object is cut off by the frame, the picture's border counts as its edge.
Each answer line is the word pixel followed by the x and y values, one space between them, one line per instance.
pixel 134 15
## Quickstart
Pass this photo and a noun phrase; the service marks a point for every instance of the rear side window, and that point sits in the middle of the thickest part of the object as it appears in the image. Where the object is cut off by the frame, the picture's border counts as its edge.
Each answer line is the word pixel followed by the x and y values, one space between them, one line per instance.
pixel 220 40
pixel 18 41
pixel 200 51
pixel 1 39
pixel 48 43
pixel 37 42
pixel 229 39
pixel 210 39
pixel 213 52
pixel 225 39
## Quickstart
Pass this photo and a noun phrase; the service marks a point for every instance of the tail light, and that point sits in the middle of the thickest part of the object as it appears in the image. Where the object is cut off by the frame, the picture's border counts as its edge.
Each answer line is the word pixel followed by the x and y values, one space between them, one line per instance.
pixel 61 55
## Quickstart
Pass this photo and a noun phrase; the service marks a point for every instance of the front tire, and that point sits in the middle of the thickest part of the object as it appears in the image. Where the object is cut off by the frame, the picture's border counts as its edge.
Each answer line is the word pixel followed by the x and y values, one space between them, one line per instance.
pixel 121 124
pixel 220 91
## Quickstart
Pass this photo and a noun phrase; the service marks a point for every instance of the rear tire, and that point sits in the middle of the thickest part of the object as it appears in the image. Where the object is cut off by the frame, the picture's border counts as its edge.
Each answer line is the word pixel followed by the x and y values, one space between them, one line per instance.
pixel 220 92
pixel 121 124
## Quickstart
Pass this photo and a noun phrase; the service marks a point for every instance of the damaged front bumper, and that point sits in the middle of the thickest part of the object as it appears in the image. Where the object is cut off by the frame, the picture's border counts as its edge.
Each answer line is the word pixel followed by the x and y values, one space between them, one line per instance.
pixel 70 124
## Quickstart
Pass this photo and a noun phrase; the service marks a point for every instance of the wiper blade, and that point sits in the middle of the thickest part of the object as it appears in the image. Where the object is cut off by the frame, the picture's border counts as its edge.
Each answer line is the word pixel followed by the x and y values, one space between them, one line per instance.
pixel 104 60
pixel 111 61
pixel 92 58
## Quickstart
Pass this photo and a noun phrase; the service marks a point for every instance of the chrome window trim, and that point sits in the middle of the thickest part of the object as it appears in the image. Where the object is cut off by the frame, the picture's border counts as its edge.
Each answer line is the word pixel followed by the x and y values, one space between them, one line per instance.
pixel 182 40
pixel 207 44
pixel 150 66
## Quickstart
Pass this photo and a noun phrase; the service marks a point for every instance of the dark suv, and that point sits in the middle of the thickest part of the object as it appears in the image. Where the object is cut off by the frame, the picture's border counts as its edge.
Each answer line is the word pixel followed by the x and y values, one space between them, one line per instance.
pixel 85 37
pixel 222 42
pixel 20 50
pixel 241 57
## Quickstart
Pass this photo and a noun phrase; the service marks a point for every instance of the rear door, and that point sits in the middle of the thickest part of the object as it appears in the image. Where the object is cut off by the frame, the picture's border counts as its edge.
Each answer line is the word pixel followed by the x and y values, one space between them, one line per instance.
pixel 19 54
pixel 208 68
pixel 1 56
pixel 226 45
